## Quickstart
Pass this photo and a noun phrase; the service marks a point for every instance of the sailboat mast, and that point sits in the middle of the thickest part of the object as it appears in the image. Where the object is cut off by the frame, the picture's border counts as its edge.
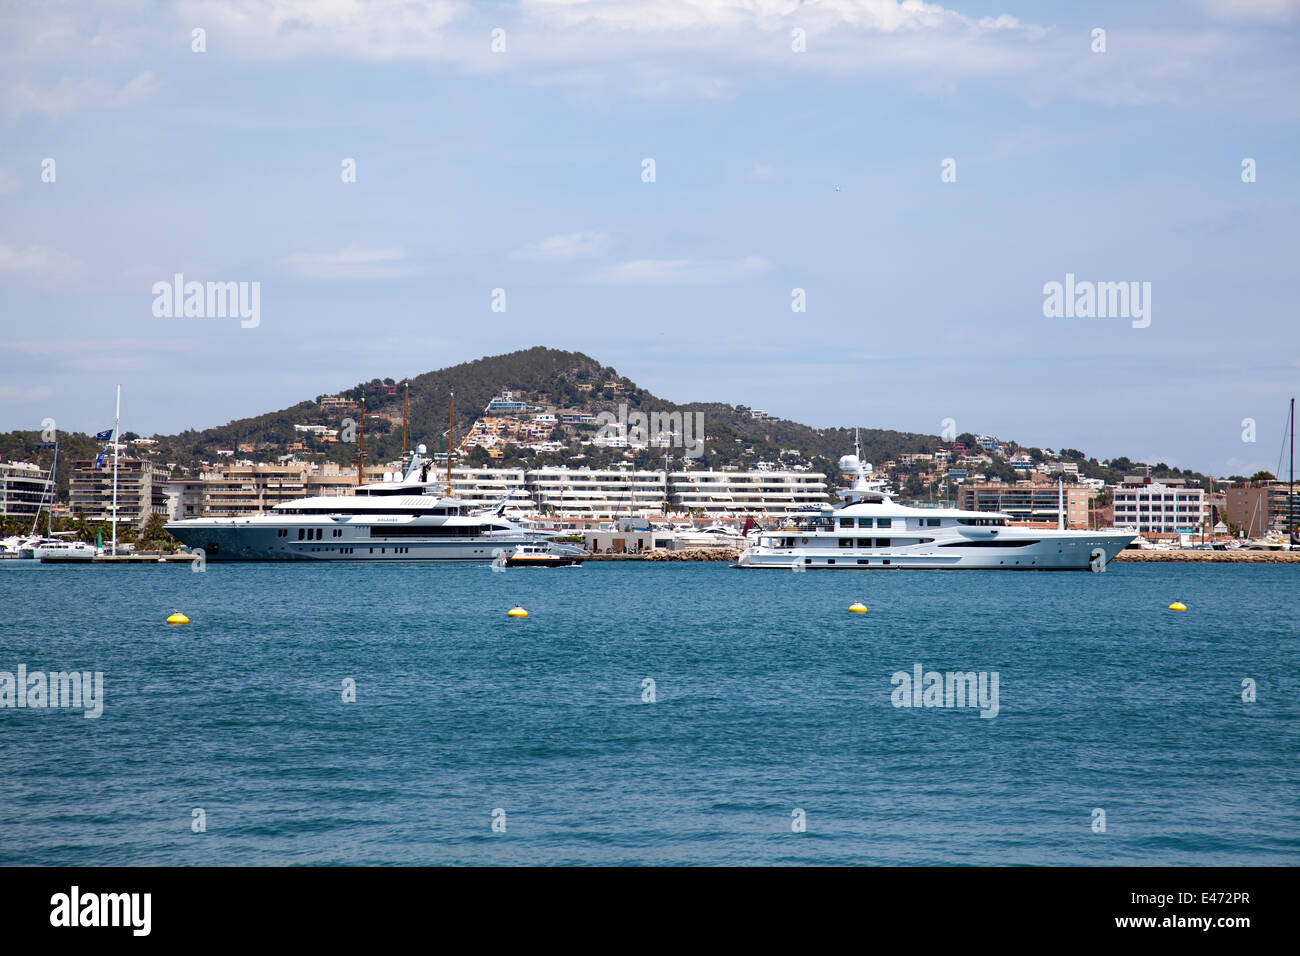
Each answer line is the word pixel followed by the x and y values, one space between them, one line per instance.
pixel 54 472
pixel 117 418
pixel 1290 494
pixel 361 448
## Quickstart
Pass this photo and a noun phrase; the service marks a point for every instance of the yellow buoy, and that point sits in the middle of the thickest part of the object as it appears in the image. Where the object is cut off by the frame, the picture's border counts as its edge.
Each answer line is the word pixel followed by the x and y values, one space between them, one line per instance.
pixel 516 611
pixel 178 618
pixel 1178 606
pixel 858 608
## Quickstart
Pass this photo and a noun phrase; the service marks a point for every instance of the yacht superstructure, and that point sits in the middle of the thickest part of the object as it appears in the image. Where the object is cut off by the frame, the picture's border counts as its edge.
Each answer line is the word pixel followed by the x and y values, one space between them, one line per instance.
pixel 402 518
pixel 870 531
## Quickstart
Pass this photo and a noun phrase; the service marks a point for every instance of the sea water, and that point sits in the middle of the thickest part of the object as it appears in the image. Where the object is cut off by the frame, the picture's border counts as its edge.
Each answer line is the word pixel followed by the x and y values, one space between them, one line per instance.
pixel 651 713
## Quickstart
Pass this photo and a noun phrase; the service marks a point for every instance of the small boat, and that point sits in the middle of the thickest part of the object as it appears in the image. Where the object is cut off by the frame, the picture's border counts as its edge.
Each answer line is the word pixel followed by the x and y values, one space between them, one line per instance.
pixel 544 556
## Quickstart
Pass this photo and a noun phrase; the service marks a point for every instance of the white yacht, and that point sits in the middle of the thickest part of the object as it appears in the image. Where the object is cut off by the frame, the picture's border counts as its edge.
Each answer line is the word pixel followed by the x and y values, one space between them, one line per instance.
pixel 870 531
pixel 402 518
pixel 63 549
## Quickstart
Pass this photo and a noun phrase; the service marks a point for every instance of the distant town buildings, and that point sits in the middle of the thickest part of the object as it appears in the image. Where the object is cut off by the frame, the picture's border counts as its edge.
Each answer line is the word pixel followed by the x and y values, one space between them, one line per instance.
pixel 507 403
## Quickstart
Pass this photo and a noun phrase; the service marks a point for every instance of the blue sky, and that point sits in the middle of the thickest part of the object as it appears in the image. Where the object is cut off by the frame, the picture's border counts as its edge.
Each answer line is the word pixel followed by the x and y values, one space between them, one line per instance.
pixel 521 170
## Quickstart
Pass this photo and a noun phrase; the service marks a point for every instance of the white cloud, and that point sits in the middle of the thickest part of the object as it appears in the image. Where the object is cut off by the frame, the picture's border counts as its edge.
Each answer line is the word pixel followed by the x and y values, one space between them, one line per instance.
pixel 681 271
pixel 353 262
pixel 575 245
pixel 41 261
pixel 25 394
pixel 69 95
pixel 365 29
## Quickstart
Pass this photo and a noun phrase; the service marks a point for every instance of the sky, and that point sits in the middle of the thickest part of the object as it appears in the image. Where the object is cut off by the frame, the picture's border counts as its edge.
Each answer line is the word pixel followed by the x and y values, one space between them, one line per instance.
pixel 921 172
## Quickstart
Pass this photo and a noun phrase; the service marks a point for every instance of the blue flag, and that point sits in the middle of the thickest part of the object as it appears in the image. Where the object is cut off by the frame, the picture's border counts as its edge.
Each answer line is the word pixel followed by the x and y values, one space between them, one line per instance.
pixel 99 462
pixel 104 435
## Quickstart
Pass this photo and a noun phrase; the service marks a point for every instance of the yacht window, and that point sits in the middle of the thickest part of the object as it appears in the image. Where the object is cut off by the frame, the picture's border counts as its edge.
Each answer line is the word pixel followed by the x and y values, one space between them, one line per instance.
pixel 846 542
pixel 883 542
pixel 884 522
pixel 301 533
pixel 864 542
pixel 864 522
pixel 846 522
pixel 932 522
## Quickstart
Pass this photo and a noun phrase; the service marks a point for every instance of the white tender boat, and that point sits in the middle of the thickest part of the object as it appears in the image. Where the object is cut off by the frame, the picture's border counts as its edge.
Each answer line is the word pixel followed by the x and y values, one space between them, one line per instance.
pixel 870 531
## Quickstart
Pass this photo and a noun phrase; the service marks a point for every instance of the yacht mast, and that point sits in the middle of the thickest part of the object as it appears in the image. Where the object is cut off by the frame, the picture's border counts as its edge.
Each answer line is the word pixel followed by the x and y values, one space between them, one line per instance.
pixel 1290 495
pixel 54 471
pixel 406 404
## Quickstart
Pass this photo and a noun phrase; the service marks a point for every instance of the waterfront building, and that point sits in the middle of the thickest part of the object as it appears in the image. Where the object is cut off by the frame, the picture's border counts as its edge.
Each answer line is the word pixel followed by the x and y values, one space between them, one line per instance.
pixel 1258 507
pixel 138 497
pixel 761 493
pixel 24 489
pixel 1027 501
pixel 1163 506
pixel 602 493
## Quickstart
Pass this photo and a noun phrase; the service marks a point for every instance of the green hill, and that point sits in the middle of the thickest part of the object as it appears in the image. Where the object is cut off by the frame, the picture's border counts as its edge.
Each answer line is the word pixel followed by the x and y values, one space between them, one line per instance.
pixel 540 376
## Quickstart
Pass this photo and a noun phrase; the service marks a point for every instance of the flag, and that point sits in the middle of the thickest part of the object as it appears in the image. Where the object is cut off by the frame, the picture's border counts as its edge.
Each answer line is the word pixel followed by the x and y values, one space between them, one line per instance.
pixel 104 435
pixel 99 462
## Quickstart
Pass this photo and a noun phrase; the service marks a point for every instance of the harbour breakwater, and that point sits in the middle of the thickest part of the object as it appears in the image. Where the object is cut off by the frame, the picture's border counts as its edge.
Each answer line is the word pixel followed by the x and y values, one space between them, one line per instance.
pixel 1213 557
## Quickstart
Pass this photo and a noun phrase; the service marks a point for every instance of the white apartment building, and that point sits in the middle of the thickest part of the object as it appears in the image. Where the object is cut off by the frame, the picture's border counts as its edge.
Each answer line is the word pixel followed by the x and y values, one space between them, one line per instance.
pixel 487 486
pixel 23 488
pixel 596 493
pixel 772 493
pixel 1164 506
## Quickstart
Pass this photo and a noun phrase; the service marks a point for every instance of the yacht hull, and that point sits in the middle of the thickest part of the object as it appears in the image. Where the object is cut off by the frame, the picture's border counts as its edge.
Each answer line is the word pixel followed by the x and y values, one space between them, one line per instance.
pixel 253 543
pixel 1060 551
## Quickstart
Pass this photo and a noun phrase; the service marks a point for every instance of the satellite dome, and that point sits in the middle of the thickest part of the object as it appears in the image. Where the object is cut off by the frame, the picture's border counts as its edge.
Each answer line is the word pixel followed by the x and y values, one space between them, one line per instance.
pixel 849 463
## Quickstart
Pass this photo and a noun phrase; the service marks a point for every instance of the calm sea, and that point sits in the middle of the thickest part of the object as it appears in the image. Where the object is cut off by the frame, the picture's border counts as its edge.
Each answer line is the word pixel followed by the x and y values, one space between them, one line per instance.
pixel 769 698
